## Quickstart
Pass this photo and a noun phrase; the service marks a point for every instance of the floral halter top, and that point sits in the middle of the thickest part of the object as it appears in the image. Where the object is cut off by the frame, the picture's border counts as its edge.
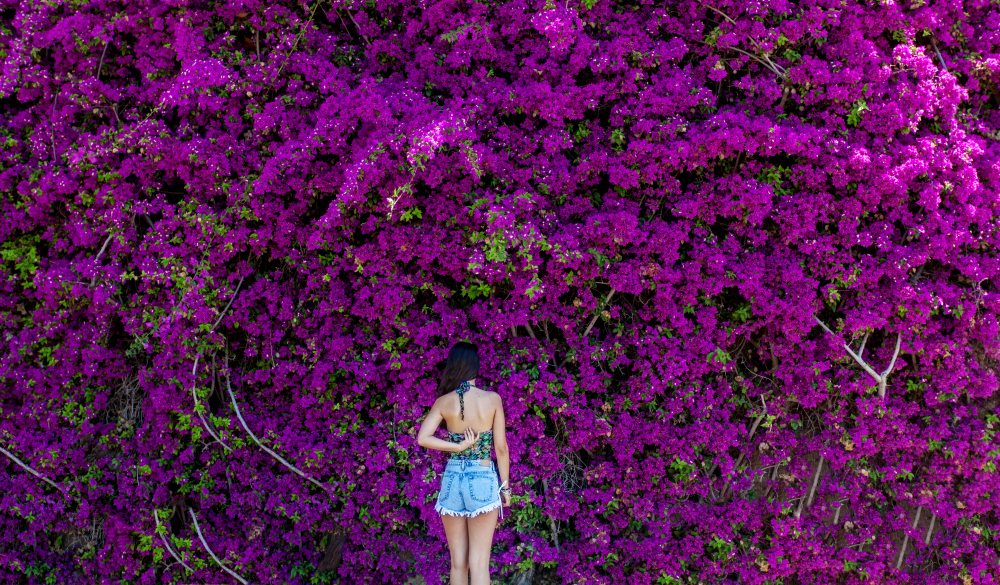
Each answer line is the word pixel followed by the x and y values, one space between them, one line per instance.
pixel 481 450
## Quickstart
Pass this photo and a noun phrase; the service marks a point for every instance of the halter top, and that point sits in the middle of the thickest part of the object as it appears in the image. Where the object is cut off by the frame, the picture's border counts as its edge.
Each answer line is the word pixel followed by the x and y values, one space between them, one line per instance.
pixel 481 449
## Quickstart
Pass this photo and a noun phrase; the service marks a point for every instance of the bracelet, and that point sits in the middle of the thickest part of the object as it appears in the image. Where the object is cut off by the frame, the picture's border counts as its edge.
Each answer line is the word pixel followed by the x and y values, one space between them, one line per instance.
pixel 503 488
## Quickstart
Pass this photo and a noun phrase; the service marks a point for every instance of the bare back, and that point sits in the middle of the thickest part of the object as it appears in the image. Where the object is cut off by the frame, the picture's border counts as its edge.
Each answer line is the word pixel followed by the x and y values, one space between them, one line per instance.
pixel 480 410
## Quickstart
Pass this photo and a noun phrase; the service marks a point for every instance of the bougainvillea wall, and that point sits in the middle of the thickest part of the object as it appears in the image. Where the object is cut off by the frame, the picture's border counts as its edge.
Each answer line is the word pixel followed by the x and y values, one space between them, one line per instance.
pixel 732 266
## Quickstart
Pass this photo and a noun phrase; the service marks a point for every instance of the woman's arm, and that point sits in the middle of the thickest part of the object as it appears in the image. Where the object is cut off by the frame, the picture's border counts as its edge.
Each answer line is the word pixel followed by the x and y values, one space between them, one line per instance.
pixel 500 442
pixel 426 438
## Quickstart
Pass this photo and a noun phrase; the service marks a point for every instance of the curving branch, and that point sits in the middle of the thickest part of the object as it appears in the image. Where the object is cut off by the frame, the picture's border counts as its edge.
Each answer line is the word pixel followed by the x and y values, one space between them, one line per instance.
pixel 880 378
pixel 194 394
pixel 27 468
pixel 194 371
pixel 166 544
pixel 229 304
pixel 215 558
pixel 280 459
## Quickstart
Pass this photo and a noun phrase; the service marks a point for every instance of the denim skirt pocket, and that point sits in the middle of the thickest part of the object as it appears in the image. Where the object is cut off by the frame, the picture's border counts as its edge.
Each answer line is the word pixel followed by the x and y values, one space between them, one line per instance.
pixel 482 487
pixel 447 482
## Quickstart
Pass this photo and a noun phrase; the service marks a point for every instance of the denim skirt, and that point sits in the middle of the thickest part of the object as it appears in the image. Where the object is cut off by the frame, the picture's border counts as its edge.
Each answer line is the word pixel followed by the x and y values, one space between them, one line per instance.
pixel 469 487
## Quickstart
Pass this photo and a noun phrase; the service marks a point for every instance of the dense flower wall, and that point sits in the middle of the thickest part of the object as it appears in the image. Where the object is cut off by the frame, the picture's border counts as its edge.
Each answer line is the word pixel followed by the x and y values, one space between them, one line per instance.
pixel 732 266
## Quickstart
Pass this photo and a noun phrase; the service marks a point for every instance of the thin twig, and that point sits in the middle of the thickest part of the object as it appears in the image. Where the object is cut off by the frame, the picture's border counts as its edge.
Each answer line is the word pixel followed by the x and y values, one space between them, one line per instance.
pixel 233 298
pixel 215 558
pixel 166 544
pixel 100 63
pixel 722 14
pixel 351 16
pixel 298 38
pixel 771 65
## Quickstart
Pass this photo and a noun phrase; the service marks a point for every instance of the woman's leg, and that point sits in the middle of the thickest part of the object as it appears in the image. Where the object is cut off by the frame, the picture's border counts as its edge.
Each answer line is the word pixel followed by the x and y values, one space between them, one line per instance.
pixel 458 545
pixel 481 529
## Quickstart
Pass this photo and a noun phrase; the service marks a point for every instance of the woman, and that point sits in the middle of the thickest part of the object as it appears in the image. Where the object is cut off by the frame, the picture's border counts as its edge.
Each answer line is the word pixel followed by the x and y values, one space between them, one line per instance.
pixel 470 495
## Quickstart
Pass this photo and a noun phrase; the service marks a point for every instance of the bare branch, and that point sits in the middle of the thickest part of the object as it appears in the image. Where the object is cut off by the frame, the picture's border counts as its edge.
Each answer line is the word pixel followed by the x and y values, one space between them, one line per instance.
pixel 99 254
pixel 753 430
pixel 194 394
pixel 215 558
pixel 223 313
pixel 32 471
pixel 598 313
pixel 239 415
pixel 906 539
pixel 895 354
pixel 938 51
pixel 880 379
pixel 812 489
pixel 720 13
pixel 756 423
pixel 930 530
pixel 100 64
pixel 590 325
pixel 166 544
pixel 351 16
pixel 836 516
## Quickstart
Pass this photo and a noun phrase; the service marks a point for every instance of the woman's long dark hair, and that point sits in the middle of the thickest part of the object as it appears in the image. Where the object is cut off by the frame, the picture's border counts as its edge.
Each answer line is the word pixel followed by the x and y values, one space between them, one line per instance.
pixel 462 365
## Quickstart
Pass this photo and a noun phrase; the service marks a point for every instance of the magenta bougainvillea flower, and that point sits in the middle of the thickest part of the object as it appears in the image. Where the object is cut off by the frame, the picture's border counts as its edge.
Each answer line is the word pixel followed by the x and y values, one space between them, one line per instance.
pixel 731 265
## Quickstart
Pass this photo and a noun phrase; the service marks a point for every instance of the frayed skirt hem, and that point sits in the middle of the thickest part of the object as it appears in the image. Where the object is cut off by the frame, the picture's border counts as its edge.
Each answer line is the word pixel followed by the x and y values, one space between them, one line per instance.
pixel 445 511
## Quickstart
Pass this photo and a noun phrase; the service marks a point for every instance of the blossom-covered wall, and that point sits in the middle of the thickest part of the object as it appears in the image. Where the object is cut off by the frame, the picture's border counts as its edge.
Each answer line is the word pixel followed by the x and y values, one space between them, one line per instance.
pixel 731 265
